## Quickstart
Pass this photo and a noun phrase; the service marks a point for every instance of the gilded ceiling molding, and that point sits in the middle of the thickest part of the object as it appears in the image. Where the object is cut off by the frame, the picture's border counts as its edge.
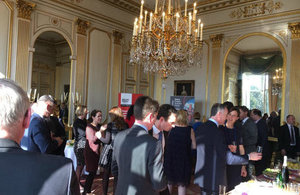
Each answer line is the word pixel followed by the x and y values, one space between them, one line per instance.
pixel 295 30
pixel 216 40
pixel 25 9
pixel 256 9
pixel 82 26
pixel 117 37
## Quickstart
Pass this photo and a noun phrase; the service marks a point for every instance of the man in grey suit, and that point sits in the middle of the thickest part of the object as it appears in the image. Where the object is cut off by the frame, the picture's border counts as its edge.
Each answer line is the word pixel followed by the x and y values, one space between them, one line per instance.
pixel 249 135
pixel 24 172
pixel 137 155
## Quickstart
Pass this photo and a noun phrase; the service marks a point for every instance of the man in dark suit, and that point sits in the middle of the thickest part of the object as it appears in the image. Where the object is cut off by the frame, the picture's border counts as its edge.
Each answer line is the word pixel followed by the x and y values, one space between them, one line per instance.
pixel 213 154
pixel 249 135
pixel 39 138
pixel 24 172
pixel 262 141
pixel 137 156
pixel 289 139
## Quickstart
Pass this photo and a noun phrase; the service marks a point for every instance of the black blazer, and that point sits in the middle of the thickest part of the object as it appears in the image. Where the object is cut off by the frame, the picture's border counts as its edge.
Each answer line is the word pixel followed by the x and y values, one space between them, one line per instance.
pixel 262 133
pixel 137 158
pixel 28 173
pixel 284 140
pixel 249 135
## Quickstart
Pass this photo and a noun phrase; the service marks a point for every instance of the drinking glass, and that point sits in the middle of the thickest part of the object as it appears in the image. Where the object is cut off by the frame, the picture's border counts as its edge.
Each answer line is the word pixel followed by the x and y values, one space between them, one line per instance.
pixel 259 149
pixel 222 189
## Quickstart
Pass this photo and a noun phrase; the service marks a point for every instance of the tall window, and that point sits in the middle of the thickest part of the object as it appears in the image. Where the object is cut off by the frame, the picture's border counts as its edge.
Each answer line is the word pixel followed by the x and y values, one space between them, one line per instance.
pixel 255 91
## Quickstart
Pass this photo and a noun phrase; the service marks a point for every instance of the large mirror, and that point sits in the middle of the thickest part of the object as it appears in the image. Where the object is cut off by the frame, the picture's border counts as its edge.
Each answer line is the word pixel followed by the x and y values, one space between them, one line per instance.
pixel 254 74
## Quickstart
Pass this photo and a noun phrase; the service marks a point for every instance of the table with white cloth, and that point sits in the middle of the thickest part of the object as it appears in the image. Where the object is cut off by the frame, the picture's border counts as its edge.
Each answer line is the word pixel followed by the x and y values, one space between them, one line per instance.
pixel 69 153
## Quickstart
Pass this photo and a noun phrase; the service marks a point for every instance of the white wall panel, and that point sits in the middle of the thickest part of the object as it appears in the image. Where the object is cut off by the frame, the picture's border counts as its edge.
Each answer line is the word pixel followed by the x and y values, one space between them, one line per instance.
pixel 4 38
pixel 98 70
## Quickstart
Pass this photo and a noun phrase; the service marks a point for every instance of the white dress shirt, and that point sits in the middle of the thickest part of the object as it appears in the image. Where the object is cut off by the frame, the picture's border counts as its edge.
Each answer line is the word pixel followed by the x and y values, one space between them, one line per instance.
pixel 156 132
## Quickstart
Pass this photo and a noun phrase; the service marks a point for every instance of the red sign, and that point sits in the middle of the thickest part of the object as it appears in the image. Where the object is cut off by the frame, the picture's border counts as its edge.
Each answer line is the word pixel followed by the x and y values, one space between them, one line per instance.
pixel 126 100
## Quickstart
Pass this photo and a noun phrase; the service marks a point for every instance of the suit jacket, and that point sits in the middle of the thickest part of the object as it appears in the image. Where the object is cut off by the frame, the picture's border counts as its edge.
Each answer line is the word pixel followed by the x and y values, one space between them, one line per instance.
pixel 262 133
pixel 137 157
pixel 212 156
pixel 249 135
pixel 39 138
pixel 284 140
pixel 24 172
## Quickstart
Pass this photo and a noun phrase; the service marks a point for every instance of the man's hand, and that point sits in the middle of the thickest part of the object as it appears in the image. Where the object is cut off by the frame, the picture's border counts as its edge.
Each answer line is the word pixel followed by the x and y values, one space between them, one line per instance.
pixel 255 156
pixel 243 171
pixel 283 152
pixel 232 148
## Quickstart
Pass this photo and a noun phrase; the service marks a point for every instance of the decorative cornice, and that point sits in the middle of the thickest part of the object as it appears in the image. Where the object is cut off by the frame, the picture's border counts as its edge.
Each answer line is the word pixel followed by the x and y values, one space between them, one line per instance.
pixel 216 40
pixel 82 26
pixel 24 9
pixel 117 37
pixel 256 9
pixel 295 30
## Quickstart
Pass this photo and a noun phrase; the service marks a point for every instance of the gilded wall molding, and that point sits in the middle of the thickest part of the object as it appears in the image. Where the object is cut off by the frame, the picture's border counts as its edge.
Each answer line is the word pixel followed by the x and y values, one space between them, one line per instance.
pixel 216 40
pixel 25 9
pixel 256 9
pixel 118 36
pixel 82 26
pixel 295 30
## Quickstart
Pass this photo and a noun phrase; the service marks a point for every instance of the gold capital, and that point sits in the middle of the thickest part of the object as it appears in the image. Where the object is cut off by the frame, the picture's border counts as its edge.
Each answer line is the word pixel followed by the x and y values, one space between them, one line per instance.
pixel 82 26
pixel 117 37
pixel 216 40
pixel 295 30
pixel 24 9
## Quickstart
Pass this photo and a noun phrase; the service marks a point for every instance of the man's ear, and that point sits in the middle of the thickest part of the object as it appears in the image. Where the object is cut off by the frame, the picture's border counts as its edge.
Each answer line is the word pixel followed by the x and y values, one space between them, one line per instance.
pixel 26 120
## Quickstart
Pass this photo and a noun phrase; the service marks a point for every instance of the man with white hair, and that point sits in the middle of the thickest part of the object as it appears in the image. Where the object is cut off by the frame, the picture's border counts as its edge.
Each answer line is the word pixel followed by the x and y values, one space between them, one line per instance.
pixel 24 172
pixel 39 138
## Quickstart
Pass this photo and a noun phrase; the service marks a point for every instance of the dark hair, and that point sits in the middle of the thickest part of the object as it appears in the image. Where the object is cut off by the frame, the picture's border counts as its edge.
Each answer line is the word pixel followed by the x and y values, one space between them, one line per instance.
pixel 216 108
pixel 256 112
pixel 93 114
pixel 165 111
pixel 235 108
pixel 116 115
pixel 244 109
pixel 129 112
pixel 197 115
pixel 288 116
pixel 228 105
pixel 144 105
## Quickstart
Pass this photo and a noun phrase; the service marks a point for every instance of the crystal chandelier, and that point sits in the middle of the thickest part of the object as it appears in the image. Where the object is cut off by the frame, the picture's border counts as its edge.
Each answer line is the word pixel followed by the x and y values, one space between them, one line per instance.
pixel 167 42
pixel 277 82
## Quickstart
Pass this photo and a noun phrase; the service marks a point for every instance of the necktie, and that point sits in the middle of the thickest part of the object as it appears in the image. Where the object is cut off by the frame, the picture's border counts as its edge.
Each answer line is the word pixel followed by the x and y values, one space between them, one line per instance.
pixel 160 136
pixel 293 141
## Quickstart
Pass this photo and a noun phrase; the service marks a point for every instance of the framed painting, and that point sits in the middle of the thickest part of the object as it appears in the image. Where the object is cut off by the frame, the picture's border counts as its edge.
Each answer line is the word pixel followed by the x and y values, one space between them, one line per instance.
pixel 184 87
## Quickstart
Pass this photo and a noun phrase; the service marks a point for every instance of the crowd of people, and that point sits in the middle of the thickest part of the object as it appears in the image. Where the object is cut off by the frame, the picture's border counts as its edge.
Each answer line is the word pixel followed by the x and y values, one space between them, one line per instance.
pixel 150 151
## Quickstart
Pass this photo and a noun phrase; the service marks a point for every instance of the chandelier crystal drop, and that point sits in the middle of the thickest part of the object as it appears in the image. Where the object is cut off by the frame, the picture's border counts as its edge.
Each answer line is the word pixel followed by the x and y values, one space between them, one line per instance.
pixel 277 82
pixel 167 41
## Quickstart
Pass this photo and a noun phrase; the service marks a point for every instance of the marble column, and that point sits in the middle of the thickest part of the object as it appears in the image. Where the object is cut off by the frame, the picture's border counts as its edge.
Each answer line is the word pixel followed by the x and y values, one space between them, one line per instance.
pixel 215 69
pixel 23 36
pixel 81 65
pixel 294 78
pixel 116 68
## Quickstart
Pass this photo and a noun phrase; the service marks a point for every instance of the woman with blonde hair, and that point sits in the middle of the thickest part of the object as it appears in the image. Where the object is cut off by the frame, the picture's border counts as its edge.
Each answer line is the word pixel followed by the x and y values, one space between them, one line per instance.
pixel 117 124
pixel 79 127
pixel 178 157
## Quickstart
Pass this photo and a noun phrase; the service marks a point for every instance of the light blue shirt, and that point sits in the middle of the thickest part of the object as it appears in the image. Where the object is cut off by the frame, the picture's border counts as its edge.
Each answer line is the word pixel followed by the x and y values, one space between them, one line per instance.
pixel 214 121
pixel 144 127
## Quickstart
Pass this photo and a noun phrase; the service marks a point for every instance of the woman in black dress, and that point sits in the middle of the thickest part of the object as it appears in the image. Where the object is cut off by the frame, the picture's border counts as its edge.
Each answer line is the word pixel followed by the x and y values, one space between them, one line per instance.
pixel 178 157
pixel 117 124
pixel 79 127
pixel 235 143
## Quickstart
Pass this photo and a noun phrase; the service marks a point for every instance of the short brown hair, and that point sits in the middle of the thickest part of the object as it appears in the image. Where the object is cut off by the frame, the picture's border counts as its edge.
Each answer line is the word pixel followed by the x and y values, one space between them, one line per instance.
pixel 80 110
pixel 182 117
pixel 144 105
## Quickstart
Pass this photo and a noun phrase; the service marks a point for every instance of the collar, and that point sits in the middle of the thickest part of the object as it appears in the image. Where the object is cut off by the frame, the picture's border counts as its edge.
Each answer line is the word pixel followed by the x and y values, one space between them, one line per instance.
pixel 245 119
pixel 143 126
pixel 257 121
pixel 7 143
pixel 155 130
pixel 289 125
pixel 214 121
